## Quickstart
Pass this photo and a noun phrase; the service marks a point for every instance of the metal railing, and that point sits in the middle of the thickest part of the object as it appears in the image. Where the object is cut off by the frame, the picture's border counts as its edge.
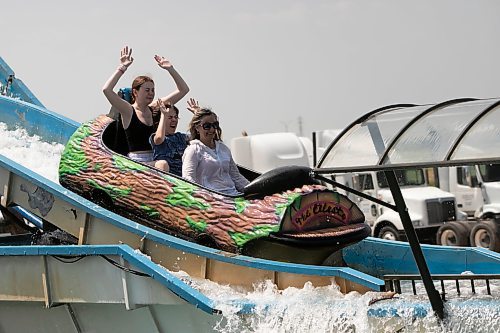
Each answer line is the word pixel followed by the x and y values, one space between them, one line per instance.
pixel 393 282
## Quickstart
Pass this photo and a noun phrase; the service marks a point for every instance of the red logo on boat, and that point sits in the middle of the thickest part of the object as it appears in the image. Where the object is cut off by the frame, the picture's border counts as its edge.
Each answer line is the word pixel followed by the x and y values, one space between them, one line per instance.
pixel 320 213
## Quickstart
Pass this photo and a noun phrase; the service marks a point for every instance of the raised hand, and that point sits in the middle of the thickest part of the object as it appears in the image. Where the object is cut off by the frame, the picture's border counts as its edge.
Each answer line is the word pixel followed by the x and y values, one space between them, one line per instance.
pixel 193 105
pixel 126 56
pixel 163 62
pixel 163 109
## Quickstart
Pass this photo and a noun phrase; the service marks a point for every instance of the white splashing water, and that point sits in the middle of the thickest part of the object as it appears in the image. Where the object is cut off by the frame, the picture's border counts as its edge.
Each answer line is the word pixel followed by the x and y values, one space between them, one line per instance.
pixel 307 309
pixel 326 309
pixel 38 156
pixel 294 310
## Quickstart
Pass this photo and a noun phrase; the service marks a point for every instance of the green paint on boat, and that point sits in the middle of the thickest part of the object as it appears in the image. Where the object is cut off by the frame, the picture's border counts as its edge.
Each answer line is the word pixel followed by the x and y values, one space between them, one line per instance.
pixel 169 178
pixel 280 208
pixel 151 212
pixel 196 225
pixel 182 195
pixel 112 191
pixel 258 231
pixel 124 164
pixel 240 205
pixel 297 203
pixel 73 157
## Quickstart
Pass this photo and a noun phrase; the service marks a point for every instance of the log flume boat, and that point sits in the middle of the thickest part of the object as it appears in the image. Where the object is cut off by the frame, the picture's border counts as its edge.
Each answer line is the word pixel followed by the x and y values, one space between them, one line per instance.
pixel 300 214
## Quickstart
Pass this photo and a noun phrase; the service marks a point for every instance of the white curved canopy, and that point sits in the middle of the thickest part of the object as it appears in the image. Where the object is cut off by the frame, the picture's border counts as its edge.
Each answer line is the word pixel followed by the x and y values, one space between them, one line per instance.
pixel 464 131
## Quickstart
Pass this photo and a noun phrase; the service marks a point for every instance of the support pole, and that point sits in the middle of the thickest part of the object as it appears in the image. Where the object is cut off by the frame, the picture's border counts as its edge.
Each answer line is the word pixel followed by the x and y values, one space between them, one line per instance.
pixel 434 298
pixel 315 152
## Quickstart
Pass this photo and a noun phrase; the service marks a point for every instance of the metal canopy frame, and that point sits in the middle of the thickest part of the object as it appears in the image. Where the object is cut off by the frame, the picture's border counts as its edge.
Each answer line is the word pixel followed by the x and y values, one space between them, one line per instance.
pixel 369 121
pixel 384 149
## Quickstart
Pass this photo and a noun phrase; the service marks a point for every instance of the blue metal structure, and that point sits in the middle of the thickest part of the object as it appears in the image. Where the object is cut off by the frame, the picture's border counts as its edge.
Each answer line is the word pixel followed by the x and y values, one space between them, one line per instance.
pixel 142 263
pixel 398 258
pixel 14 87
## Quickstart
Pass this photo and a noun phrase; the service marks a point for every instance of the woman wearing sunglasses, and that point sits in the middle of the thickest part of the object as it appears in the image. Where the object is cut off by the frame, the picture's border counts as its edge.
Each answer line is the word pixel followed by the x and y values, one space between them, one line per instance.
pixel 207 161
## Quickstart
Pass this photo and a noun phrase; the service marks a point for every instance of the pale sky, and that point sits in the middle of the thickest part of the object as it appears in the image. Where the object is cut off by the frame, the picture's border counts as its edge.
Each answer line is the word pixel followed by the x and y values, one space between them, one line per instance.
pixel 259 64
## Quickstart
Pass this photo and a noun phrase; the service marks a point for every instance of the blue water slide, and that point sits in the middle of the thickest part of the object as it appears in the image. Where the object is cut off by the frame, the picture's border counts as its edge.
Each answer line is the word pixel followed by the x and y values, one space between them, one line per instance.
pixel 14 87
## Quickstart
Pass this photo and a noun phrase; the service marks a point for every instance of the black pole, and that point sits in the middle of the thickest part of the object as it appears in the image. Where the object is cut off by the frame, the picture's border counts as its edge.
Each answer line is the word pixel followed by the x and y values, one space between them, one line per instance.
pixel 315 159
pixel 434 298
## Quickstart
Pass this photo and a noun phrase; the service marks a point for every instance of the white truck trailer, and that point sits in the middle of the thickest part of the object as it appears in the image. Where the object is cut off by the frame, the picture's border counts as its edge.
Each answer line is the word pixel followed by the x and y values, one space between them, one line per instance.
pixel 429 207
pixel 477 192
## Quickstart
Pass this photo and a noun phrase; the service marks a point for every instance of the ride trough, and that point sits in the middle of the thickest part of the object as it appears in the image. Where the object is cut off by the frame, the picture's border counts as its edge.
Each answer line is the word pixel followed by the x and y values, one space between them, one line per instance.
pixel 121 232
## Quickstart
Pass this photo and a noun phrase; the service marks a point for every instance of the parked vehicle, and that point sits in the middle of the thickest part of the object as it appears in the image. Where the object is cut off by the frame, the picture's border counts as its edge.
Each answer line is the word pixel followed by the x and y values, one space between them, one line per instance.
pixel 477 188
pixel 477 192
pixel 429 207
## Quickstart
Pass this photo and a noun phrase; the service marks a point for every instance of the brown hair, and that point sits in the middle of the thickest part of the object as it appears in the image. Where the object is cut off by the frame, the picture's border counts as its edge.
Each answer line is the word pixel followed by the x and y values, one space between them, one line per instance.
pixel 137 83
pixel 196 120
pixel 157 114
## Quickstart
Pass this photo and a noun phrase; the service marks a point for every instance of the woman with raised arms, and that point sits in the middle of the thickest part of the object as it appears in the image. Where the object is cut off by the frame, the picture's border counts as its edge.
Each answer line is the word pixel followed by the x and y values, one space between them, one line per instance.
pixel 137 118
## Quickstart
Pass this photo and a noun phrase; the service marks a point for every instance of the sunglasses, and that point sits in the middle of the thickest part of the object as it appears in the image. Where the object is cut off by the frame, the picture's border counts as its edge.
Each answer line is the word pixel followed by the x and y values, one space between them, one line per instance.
pixel 207 126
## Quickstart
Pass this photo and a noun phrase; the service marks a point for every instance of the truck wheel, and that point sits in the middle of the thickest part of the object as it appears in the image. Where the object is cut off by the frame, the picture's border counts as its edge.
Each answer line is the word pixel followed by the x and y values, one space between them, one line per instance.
pixel 453 234
pixel 486 235
pixel 389 232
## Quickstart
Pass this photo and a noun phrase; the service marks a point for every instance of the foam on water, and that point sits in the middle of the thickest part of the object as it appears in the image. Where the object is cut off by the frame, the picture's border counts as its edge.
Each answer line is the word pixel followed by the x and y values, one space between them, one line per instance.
pixel 326 309
pixel 38 156
pixel 293 310
pixel 307 309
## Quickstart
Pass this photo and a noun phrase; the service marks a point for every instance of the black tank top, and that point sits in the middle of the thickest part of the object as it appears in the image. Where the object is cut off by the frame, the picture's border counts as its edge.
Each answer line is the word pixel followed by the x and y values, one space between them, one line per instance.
pixel 138 134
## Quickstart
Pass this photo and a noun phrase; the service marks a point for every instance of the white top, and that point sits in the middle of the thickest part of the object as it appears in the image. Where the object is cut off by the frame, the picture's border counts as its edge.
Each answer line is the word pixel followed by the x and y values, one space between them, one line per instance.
pixel 212 168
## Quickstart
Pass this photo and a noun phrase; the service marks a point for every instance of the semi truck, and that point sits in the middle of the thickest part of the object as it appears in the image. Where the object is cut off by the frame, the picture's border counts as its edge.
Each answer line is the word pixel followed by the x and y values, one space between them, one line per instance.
pixel 477 192
pixel 429 207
